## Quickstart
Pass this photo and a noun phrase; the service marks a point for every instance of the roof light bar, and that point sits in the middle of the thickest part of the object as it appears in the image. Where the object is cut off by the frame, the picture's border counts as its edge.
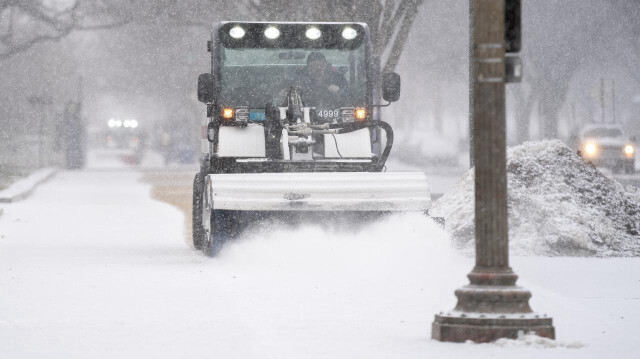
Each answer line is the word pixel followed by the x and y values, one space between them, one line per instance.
pixel 349 33
pixel 271 32
pixel 313 33
pixel 237 32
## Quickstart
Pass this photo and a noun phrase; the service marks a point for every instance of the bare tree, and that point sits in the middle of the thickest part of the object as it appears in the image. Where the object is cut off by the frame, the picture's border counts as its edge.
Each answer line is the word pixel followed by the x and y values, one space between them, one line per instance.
pixel 555 47
pixel 389 21
pixel 25 23
pixel 627 32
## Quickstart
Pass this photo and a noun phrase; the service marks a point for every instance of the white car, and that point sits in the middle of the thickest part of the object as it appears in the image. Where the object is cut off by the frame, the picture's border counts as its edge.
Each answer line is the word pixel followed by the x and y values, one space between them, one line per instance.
pixel 605 145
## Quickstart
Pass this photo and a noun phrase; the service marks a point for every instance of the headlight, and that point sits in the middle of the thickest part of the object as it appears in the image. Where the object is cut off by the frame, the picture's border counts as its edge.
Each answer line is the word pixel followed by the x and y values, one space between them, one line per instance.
pixel 590 149
pixel 629 150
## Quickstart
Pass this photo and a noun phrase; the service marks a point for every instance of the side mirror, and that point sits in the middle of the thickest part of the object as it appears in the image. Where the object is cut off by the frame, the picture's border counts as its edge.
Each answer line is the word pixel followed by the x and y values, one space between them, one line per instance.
pixel 205 88
pixel 391 86
pixel 634 139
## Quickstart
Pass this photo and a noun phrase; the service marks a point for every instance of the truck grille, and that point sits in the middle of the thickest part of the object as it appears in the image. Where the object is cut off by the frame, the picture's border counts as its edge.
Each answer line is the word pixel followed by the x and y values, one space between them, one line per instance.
pixel 611 151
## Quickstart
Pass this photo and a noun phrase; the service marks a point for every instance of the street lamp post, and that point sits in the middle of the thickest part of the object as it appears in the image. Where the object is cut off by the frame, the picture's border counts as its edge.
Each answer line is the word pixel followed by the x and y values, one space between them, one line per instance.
pixel 491 306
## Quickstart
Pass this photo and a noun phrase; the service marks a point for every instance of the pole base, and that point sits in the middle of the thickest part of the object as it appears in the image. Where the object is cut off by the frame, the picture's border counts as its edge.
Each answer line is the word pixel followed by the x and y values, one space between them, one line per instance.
pixel 482 328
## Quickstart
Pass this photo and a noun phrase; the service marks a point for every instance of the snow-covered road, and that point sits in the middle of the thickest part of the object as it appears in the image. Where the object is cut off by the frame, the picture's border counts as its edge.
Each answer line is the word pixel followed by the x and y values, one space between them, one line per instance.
pixel 92 267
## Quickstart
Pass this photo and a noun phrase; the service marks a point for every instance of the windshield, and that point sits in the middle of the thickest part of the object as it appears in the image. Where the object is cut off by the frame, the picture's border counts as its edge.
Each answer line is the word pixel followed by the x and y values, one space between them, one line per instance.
pixel 603 132
pixel 329 78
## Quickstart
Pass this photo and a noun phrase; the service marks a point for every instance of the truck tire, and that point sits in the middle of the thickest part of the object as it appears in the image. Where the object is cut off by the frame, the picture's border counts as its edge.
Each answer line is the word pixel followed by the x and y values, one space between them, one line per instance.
pixel 221 230
pixel 196 214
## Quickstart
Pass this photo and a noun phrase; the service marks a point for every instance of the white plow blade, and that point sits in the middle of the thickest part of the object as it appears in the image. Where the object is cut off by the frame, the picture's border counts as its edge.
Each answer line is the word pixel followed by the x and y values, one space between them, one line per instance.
pixel 319 191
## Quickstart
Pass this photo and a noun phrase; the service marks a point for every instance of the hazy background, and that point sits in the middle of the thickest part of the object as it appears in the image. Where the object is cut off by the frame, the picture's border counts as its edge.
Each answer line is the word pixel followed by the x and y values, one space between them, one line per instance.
pixel 141 59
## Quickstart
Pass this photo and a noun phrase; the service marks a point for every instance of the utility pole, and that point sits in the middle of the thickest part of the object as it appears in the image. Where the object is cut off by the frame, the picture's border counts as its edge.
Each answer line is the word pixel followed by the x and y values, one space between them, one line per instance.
pixel 491 306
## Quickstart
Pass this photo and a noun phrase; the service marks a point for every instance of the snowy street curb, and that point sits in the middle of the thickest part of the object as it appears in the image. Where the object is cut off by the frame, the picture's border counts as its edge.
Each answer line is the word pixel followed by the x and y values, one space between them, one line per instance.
pixel 21 189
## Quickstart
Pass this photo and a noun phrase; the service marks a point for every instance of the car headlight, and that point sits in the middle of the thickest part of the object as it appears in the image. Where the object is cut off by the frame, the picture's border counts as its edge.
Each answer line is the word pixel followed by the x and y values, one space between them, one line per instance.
pixel 590 149
pixel 629 150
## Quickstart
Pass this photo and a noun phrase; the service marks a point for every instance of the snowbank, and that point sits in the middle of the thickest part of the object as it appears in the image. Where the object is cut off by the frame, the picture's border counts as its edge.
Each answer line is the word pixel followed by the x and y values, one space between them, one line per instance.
pixel 558 205
pixel 532 340
pixel 22 188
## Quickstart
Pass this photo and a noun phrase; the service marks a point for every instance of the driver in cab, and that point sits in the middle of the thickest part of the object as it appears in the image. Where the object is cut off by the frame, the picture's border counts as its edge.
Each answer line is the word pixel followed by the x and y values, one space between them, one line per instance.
pixel 320 85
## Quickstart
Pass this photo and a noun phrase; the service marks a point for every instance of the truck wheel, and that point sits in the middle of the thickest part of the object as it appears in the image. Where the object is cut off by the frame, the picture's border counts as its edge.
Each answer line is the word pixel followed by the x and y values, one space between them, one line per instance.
pixel 196 214
pixel 221 230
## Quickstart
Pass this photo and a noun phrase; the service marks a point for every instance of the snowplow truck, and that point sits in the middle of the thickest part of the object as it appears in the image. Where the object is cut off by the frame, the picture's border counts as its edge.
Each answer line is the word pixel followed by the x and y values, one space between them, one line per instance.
pixel 293 129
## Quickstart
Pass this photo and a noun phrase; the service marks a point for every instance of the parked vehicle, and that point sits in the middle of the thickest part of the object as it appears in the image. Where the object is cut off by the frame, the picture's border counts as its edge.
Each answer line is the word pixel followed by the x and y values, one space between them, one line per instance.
pixel 605 145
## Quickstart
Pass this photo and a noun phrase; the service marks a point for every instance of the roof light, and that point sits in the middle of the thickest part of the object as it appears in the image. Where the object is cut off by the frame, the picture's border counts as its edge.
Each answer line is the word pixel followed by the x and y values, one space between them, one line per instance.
pixel 133 123
pixel 360 114
pixel 313 33
pixel 237 32
pixel 271 32
pixel 349 33
pixel 111 123
pixel 227 113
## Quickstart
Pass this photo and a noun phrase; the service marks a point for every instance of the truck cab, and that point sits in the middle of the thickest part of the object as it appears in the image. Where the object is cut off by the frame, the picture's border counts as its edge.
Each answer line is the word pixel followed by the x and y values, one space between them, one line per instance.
pixel 293 97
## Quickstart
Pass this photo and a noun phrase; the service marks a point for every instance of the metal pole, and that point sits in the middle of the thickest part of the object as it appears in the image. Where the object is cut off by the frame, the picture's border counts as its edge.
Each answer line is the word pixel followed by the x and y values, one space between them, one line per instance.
pixel 471 159
pixel 491 306
pixel 488 115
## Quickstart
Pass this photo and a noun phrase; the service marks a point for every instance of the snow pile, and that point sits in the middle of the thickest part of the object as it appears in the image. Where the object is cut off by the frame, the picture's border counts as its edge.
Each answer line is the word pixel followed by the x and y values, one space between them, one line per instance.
pixel 23 187
pixel 532 340
pixel 558 205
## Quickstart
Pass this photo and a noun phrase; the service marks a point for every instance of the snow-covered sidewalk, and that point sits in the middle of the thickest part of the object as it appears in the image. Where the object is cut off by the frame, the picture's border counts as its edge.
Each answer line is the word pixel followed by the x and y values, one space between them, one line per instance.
pixel 91 267
pixel 25 186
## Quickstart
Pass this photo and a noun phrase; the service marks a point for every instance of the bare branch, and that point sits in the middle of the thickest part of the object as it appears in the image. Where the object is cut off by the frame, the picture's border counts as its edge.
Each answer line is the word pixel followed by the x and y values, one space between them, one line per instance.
pixel 386 25
pixel 12 50
pixel 401 38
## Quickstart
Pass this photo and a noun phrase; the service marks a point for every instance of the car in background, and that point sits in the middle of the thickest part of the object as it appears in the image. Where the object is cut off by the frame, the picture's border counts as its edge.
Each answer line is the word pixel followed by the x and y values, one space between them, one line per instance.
pixel 605 145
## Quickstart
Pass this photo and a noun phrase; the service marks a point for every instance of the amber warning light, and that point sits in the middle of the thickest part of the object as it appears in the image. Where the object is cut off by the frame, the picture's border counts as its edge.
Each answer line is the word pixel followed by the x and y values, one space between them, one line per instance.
pixel 227 113
pixel 360 114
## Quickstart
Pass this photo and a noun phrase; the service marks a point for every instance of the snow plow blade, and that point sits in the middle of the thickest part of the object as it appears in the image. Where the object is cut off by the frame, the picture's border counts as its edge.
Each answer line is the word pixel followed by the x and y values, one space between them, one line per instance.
pixel 319 191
